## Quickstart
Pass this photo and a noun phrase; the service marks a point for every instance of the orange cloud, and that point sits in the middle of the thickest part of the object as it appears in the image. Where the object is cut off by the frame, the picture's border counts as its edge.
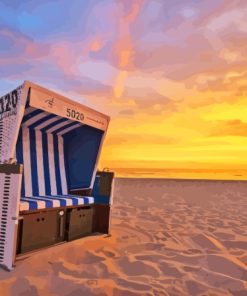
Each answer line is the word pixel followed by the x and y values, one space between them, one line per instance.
pixel 96 45
pixel 119 84
pixel 134 11
pixel 230 128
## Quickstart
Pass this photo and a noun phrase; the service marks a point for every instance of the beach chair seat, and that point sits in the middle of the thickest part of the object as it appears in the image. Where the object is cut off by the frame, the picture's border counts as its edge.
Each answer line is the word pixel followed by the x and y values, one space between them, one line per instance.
pixel 47 202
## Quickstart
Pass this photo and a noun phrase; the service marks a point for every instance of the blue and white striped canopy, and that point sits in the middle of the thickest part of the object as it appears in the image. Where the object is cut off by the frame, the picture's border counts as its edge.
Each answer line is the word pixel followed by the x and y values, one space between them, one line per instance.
pixel 40 148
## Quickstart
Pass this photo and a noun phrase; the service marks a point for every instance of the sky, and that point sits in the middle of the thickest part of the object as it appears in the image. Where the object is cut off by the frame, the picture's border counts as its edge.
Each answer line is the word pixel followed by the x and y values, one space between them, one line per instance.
pixel 171 74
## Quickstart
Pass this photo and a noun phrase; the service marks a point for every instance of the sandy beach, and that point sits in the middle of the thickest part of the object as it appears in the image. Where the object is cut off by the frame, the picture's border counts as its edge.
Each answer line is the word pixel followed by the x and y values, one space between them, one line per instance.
pixel 168 237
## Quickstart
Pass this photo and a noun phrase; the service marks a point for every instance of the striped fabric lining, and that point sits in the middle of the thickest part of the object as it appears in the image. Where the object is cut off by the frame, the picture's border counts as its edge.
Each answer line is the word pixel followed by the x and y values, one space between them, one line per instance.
pixel 41 150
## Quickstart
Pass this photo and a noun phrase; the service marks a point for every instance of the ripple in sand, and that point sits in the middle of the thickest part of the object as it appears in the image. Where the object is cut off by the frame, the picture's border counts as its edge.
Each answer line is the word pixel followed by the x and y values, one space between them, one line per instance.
pixel 137 268
pixel 231 267
pixel 121 292
pixel 133 285
pixel 169 270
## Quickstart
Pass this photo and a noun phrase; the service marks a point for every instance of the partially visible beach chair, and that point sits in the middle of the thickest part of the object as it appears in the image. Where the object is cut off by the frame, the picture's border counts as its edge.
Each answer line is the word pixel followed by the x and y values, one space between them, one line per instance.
pixel 49 149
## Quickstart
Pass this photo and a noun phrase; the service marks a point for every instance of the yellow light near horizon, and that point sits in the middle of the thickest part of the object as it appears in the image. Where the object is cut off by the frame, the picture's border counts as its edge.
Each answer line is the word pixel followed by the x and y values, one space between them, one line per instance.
pixel 226 111
pixel 198 134
pixel 201 124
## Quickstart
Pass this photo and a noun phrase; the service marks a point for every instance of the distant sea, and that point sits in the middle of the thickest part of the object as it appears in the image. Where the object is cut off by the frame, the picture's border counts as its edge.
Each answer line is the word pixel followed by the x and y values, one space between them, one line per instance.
pixel 208 174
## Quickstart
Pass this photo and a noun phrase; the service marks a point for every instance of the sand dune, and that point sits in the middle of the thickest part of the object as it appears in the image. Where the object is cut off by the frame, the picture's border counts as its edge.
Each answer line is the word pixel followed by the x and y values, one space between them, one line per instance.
pixel 169 237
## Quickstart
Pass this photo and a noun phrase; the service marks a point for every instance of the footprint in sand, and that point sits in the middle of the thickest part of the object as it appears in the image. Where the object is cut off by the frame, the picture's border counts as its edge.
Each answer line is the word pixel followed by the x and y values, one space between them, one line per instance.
pixel 92 282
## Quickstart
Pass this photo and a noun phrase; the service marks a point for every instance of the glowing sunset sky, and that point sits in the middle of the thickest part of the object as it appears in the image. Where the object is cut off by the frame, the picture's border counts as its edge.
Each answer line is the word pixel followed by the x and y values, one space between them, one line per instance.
pixel 171 73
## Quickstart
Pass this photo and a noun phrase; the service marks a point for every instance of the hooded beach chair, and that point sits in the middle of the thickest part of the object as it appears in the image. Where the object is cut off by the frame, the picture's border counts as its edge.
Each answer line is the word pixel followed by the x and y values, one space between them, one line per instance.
pixel 50 189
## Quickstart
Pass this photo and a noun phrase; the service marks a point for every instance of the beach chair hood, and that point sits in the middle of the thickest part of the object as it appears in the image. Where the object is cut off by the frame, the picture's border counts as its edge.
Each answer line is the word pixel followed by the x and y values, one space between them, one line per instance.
pixel 33 96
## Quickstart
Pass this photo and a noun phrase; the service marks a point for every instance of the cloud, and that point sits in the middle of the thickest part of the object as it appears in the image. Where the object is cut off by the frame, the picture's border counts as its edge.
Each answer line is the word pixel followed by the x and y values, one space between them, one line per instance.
pixel 181 47
pixel 127 112
pixel 18 53
pixel 21 58
pixel 231 18
pixel 100 71
pixel 145 98
pixel 229 128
